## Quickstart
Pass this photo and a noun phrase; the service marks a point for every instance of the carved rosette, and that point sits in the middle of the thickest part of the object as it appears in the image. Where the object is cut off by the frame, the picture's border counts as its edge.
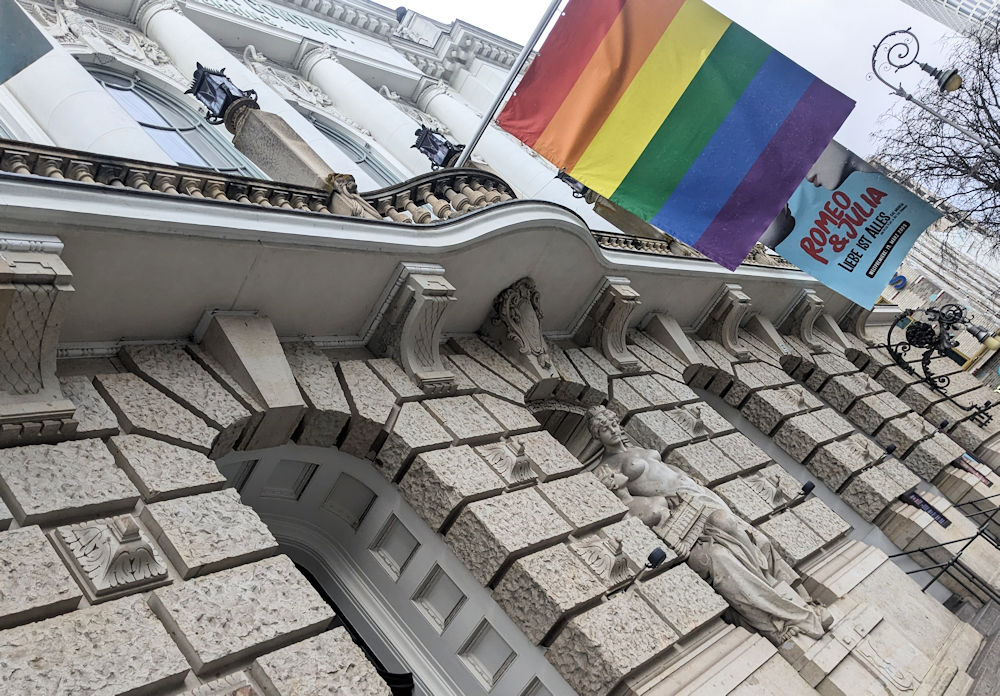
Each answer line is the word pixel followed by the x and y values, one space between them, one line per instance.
pixel 607 321
pixel 409 329
pixel 514 325
pixel 112 556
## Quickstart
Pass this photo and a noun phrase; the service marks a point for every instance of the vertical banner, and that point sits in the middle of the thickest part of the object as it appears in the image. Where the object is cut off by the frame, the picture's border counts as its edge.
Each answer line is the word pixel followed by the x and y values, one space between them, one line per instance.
pixel 676 114
pixel 849 226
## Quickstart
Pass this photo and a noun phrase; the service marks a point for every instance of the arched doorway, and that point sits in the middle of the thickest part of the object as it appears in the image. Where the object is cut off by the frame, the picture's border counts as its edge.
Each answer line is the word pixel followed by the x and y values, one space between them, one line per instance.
pixel 393 579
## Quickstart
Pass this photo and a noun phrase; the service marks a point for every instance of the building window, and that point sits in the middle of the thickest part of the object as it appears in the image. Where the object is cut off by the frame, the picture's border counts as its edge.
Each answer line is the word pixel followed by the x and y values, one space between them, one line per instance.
pixel 368 169
pixel 177 128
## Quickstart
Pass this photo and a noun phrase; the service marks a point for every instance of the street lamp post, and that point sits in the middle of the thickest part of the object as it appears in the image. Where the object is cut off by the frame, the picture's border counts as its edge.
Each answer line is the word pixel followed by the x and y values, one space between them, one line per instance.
pixel 899 49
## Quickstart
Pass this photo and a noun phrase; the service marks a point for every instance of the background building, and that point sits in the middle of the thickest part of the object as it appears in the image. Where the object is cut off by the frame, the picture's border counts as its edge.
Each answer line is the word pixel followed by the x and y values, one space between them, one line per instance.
pixel 263 434
pixel 960 15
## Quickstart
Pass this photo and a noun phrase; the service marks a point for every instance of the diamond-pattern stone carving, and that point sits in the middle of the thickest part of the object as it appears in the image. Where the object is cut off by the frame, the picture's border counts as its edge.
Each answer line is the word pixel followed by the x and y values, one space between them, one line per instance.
pixel 21 338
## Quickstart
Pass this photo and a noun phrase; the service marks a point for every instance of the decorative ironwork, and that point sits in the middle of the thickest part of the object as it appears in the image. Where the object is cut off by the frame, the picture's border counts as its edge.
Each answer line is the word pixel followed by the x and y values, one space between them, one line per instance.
pixel 934 332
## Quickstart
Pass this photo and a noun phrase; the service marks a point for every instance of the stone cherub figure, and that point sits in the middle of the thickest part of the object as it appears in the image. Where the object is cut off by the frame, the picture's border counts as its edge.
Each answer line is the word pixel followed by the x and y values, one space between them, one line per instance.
pixel 738 560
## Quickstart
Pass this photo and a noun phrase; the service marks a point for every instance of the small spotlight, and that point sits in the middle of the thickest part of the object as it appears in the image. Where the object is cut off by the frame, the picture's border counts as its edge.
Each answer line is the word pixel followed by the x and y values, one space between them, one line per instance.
pixel 807 488
pixel 656 557
pixel 890 449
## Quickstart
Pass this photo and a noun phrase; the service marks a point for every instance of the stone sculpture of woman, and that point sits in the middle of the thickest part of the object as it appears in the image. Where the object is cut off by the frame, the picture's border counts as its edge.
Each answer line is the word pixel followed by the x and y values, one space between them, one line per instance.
pixel 738 560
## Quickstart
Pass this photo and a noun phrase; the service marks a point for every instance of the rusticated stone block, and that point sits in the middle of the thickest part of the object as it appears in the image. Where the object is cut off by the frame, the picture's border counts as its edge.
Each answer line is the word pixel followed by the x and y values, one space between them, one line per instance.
pixel 235 684
pixel 800 435
pixel 894 469
pixel 769 407
pixel 113 648
pixel 703 461
pixel 920 398
pixel 175 372
pixel 827 524
pixel 143 409
pixel 227 616
pixel 626 397
pixel 161 470
pixel 834 462
pixel 843 390
pixel 827 365
pixel 371 403
pixel 330 664
pixel 927 459
pixel 476 348
pixel 204 533
pixel 414 431
pixel 317 379
pixel 489 533
pixel 904 432
pixel 486 379
pixel 742 450
pixel 652 390
pixel 515 419
pixel 33 581
pixel 547 454
pixel 441 480
pixel 895 379
pixel 596 649
pixel 395 377
pixel 539 589
pixel 787 484
pixel 872 491
pixel 464 418
pixel 593 376
pixel 50 483
pixel 792 536
pixel 699 420
pixel 683 599
pixel 94 417
pixel 5 516
pixel 638 540
pixel 655 430
pixel 872 411
pixel 583 500
pixel 743 499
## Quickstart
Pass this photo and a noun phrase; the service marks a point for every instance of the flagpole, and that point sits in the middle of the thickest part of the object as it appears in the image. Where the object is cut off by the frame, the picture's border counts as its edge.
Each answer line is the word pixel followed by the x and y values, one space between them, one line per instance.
pixel 515 70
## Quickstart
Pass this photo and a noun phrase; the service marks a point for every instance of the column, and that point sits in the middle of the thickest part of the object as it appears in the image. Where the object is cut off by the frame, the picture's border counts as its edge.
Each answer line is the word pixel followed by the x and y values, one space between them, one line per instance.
pixel 75 111
pixel 528 174
pixel 352 96
pixel 187 44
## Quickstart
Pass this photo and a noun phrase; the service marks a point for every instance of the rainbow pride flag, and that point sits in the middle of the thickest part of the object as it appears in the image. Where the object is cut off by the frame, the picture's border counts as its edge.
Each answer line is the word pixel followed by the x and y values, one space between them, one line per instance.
pixel 676 114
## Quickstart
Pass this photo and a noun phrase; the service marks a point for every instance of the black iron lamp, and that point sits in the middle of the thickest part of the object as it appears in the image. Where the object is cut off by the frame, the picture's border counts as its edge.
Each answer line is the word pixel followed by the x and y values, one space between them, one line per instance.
pixel 933 330
pixel 218 93
pixel 438 149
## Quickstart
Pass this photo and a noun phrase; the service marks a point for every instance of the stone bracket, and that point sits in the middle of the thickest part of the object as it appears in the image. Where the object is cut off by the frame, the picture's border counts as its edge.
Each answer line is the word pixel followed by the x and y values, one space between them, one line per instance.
pixel 800 319
pixel 34 294
pixel 606 322
pixel 859 321
pixel 409 327
pixel 665 330
pixel 761 327
pixel 723 317
pixel 514 326
pixel 246 346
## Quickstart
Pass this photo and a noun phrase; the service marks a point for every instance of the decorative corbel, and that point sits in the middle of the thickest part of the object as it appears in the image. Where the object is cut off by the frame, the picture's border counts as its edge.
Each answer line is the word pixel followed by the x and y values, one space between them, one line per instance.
pixel 800 319
pixel 861 322
pixel 725 315
pixel 409 326
pixel 34 293
pixel 514 326
pixel 606 322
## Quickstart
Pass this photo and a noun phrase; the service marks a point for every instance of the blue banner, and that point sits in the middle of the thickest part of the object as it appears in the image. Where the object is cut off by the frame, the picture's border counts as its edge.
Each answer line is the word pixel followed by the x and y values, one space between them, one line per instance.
pixel 849 226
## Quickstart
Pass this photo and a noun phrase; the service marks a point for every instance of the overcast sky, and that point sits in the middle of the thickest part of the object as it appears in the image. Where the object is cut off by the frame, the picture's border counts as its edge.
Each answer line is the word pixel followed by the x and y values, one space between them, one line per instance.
pixel 831 38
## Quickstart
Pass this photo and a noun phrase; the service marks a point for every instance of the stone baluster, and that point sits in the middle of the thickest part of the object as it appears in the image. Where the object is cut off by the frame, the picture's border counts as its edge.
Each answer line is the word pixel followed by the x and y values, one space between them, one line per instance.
pixel 138 179
pixel 258 196
pixel 421 216
pixel 16 162
pixel 192 187
pixel 386 208
pixel 459 201
pixel 216 190
pixel 442 209
pixel 81 171
pixel 50 167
